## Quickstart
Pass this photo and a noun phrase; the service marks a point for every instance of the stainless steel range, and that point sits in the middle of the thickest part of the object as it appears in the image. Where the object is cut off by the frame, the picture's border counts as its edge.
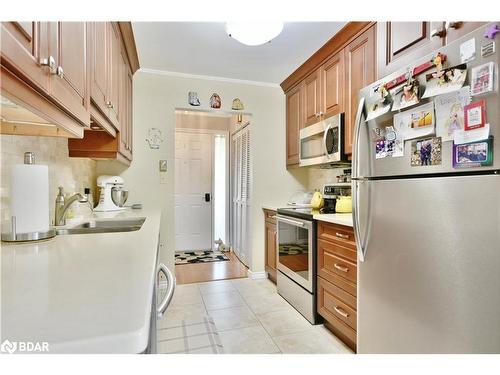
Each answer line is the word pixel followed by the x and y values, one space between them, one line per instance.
pixel 296 278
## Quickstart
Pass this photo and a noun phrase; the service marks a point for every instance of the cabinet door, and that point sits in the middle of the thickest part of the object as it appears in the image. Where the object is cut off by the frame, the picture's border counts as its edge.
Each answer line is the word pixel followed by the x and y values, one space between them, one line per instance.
pixel 69 83
pixel 22 49
pixel 332 85
pixel 293 124
pixel 399 43
pixel 311 95
pixel 129 112
pixel 360 71
pixel 271 245
pixel 99 60
pixel 457 29
pixel 114 74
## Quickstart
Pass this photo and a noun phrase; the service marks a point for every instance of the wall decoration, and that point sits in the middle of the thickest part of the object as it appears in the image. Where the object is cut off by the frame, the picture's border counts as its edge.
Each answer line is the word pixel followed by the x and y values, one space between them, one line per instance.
pixel 193 98
pixel 154 138
pixel 415 123
pixel 215 101
pixel 474 154
pixel 444 81
pixel 237 105
pixel 407 96
pixel 426 152
pixel 468 50
pixel 475 115
pixel 482 77
pixel 450 112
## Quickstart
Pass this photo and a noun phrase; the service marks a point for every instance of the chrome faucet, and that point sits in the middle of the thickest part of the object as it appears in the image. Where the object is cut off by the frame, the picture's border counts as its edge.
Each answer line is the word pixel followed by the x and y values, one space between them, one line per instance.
pixel 62 206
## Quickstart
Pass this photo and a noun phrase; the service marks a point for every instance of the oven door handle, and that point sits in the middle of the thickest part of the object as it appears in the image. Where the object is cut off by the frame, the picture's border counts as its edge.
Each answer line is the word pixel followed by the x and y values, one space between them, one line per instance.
pixel 290 221
pixel 325 135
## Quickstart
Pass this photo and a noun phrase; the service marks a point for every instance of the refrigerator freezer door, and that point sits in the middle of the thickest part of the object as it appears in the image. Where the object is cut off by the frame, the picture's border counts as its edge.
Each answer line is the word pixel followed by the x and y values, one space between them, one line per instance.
pixel 430 282
pixel 391 166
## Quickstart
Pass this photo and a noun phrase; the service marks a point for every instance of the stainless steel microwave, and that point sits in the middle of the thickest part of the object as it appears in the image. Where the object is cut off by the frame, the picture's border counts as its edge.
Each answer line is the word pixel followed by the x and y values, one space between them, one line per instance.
pixel 323 142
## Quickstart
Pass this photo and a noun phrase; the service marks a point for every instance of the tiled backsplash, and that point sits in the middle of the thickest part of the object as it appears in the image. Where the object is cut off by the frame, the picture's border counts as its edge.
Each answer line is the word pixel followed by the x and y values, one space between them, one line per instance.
pixel 74 174
pixel 319 177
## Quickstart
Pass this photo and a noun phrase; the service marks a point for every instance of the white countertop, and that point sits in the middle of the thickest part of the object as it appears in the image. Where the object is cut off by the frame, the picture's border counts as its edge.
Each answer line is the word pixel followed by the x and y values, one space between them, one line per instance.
pixel 273 207
pixel 341 219
pixel 83 293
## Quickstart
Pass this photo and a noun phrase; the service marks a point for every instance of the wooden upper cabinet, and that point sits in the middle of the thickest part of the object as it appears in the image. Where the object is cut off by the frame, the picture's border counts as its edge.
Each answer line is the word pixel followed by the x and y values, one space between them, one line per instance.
pixel 23 48
pixel 294 123
pixel 399 43
pixel 457 29
pixel 124 115
pixel 69 80
pixel 115 62
pixel 360 72
pixel 99 60
pixel 332 85
pixel 312 101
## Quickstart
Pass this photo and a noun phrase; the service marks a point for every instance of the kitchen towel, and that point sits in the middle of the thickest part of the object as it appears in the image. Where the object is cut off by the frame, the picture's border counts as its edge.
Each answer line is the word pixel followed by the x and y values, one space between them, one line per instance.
pixel 30 197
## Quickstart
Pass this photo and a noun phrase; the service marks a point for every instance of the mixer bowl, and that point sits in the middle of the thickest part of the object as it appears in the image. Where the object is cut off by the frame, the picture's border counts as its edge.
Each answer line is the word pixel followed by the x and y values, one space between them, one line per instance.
pixel 119 196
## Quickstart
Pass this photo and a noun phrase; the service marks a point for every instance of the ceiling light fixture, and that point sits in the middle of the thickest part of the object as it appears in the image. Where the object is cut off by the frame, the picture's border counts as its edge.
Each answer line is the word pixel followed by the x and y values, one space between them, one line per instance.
pixel 254 33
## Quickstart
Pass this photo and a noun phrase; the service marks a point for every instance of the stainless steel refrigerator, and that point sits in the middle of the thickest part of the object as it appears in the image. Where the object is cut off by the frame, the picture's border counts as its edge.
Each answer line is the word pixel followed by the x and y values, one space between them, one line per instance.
pixel 428 236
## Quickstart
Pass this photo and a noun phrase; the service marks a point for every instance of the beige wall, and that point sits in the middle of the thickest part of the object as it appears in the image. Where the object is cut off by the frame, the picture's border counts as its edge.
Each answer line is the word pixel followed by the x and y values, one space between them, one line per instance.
pixel 74 174
pixel 192 120
pixel 155 99
pixel 317 177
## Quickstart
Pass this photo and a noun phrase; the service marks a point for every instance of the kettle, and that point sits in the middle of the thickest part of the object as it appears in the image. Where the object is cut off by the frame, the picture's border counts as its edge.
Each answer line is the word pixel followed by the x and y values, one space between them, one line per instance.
pixel 344 204
pixel 317 201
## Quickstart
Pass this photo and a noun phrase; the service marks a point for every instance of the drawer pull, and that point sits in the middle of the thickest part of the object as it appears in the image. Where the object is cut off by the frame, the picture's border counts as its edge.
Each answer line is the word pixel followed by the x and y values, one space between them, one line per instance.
pixel 341 268
pixel 339 311
pixel 345 236
pixel 272 217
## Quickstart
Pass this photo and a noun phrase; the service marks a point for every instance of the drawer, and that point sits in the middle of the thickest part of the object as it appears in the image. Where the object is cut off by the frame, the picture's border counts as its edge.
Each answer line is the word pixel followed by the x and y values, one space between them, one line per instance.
pixel 329 263
pixel 340 250
pixel 333 302
pixel 270 215
pixel 337 233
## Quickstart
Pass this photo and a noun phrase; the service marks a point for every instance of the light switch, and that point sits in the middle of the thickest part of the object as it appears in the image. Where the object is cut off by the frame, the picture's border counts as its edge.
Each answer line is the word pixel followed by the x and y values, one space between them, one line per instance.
pixel 163 165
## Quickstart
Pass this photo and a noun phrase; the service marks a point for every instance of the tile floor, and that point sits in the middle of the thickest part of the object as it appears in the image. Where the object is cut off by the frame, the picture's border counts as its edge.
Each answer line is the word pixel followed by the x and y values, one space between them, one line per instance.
pixel 247 316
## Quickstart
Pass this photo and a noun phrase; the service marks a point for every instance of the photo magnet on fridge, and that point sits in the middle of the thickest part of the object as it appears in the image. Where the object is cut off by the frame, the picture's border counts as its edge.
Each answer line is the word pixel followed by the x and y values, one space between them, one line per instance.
pixel 445 81
pixel 482 79
pixel 407 96
pixel 426 152
pixel 475 115
pixel 474 154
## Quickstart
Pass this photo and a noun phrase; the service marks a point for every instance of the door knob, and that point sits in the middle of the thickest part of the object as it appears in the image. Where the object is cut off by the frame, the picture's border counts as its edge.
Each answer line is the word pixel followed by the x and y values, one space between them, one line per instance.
pixel 441 33
pixel 453 25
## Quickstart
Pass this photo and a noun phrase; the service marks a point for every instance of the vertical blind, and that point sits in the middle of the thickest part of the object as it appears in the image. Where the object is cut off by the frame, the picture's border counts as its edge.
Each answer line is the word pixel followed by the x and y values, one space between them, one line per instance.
pixel 241 183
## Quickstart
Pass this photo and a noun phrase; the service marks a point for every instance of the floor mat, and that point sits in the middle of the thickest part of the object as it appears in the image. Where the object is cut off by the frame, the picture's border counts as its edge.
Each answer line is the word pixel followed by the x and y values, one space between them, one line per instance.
pixel 199 256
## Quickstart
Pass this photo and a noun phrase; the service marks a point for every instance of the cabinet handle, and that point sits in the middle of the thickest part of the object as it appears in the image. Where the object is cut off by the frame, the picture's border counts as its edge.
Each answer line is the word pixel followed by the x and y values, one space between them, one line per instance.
pixel 60 72
pixel 341 268
pixel 49 62
pixel 317 114
pixel 438 32
pixel 321 113
pixel 339 311
pixel 109 104
pixel 345 236
pixel 453 25
pixel 273 217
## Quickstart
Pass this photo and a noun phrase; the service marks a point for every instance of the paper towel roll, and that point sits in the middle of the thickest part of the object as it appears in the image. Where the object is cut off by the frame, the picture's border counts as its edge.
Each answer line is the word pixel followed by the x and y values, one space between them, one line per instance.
pixel 30 197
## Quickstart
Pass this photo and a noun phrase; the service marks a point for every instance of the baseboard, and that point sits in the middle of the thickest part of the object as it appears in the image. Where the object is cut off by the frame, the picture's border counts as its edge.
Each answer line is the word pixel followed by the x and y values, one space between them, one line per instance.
pixel 257 275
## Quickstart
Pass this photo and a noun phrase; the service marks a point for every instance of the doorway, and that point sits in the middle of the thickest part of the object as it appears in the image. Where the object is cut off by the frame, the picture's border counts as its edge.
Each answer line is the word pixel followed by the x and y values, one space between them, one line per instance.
pixel 202 175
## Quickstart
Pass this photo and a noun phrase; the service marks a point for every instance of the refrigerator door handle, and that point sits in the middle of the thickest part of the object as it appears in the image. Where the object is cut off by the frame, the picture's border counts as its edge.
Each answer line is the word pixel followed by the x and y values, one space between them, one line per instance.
pixel 355 180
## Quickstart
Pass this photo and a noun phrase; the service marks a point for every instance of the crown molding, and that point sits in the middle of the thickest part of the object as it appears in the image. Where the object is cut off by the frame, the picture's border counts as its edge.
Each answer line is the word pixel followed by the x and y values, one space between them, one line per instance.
pixel 208 78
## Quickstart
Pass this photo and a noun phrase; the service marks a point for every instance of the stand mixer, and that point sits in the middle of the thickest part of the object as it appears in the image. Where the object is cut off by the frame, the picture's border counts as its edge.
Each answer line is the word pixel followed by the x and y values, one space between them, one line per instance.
pixel 106 184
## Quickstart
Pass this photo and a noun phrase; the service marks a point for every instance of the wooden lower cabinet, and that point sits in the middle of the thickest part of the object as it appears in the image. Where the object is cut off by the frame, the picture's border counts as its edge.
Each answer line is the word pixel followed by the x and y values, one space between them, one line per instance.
pixel 337 281
pixel 270 243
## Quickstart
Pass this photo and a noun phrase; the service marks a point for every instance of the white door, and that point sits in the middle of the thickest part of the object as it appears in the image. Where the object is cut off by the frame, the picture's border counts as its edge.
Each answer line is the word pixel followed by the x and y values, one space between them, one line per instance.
pixel 193 191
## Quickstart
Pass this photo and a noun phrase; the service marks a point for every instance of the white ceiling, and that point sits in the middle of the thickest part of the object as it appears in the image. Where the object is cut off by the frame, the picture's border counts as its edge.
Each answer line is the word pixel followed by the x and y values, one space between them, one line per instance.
pixel 204 48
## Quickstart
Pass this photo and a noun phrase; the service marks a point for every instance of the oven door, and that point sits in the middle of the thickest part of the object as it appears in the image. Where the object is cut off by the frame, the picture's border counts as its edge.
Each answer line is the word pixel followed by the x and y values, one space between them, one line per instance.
pixel 295 247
